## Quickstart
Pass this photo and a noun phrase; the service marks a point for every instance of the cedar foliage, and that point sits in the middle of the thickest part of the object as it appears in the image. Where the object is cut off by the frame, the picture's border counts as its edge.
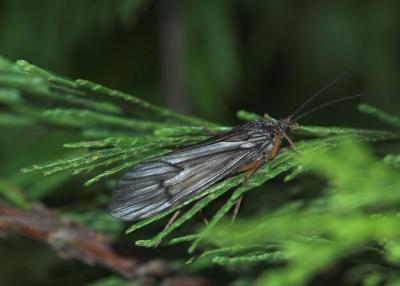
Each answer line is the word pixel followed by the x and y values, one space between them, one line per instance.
pixel 357 207
pixel 333 220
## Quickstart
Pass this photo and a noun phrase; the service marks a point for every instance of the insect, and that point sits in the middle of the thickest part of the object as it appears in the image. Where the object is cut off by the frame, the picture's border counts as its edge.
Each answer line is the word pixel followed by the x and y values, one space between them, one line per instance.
pixel 157 184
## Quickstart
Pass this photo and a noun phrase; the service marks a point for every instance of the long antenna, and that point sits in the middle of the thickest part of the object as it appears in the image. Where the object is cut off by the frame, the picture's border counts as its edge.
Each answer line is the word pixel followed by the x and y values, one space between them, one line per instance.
pixel 317 94
pixel 325 105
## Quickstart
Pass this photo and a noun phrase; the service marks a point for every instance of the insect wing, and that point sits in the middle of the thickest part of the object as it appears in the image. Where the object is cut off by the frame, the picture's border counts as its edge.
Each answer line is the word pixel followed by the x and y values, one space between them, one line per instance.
pixel 155 185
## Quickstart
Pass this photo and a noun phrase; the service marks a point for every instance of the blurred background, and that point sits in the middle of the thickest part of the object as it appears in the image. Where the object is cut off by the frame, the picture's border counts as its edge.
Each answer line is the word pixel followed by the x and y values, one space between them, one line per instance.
pixel 205 58
pixel 211 58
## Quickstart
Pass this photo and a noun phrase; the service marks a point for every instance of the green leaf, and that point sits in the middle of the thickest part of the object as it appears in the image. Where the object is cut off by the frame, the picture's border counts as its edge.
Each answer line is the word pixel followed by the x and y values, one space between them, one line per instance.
pixel 302 236
pixel 313 237
pixel 393 160
pixel 12 194
pixel 380 114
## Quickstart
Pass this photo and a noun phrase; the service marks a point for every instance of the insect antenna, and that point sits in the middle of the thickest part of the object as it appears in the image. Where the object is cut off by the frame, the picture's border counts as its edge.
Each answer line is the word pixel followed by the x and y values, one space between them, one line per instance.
pixel 319 92
pixel 326 104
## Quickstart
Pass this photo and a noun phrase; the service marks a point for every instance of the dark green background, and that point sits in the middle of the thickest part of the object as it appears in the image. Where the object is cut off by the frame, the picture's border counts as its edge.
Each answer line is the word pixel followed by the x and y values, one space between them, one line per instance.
pixel 261 56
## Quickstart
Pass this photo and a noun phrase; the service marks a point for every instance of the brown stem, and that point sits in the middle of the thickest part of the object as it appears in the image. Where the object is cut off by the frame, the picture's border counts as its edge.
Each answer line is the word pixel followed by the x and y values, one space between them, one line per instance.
pixel 73 240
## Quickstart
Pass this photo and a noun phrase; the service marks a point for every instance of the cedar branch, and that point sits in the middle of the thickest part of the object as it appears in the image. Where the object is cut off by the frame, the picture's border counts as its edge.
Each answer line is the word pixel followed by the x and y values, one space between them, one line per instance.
pixel 73 240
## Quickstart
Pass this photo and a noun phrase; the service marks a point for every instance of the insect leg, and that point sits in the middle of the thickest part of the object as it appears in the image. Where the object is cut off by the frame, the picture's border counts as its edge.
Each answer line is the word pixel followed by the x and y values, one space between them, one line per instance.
pixel 203 217
pixel 275 148
pixel 172 219
pixel 236 210
pixel 251 168
pixel 290 141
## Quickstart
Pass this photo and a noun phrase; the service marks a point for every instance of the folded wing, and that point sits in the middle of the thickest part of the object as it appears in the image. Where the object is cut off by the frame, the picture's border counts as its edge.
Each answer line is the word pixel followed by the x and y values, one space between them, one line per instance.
pixel 155 185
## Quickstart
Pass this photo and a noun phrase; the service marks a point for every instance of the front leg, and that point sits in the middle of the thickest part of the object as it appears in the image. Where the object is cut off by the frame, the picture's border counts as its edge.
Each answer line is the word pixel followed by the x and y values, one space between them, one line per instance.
pixel 252 167
pixel 275 148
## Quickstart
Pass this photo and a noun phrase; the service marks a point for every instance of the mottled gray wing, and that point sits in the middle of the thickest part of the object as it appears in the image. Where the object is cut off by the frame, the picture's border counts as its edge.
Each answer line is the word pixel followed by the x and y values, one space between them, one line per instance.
pixel 155 185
